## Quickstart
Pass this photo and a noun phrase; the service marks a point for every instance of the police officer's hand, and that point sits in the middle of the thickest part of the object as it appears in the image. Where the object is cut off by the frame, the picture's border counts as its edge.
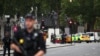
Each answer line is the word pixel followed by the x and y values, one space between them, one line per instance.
pixel 40 53
pixel 15 48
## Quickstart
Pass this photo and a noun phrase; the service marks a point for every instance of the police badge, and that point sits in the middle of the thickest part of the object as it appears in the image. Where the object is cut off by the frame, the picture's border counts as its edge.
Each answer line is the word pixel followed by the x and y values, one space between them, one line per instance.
pixel 35 34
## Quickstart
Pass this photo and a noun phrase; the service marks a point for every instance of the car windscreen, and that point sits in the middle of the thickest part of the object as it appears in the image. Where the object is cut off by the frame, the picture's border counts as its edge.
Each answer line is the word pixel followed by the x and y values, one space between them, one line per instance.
pixel 91 34
pixel 85 34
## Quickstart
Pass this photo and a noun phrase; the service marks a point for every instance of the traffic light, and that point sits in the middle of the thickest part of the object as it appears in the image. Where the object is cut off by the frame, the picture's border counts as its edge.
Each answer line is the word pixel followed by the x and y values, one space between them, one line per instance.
pixel 42 25
pixel 70 23
pixel 72 26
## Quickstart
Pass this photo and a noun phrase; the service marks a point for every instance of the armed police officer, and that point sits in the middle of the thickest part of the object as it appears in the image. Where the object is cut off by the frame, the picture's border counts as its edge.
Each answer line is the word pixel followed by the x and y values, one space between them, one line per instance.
pixel 6 42
pixel 28 39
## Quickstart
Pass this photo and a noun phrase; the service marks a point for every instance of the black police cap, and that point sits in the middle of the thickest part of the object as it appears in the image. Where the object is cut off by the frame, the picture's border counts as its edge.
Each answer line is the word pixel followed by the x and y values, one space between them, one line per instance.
pixel 29 16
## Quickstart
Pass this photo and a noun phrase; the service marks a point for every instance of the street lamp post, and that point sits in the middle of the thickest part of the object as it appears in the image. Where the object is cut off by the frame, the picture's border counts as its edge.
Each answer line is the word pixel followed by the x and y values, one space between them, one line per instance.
pixel 42 23
pixel 36 21
pixel 42 15
pixel 36 9
pixel 53 21
pixel 55 17
pixel 70 27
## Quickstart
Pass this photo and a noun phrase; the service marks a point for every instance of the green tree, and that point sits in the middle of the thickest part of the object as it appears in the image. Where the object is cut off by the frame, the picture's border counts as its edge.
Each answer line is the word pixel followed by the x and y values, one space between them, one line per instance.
pixel 89 9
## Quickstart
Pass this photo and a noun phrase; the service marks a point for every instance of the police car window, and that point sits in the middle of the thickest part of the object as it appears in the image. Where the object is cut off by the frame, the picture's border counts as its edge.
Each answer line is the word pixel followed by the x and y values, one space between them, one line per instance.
pixel 83 34
pixel 91 34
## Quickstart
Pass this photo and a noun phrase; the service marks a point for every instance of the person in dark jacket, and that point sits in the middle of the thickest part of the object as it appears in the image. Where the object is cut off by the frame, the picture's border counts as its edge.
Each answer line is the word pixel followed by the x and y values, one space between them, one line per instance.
pixel 53 38
pixel 29 39
pixel 6 42
pixel 63 38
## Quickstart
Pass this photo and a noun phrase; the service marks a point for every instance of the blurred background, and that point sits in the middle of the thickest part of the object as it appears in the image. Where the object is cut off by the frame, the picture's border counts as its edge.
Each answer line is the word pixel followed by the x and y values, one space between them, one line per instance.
pixel 61 21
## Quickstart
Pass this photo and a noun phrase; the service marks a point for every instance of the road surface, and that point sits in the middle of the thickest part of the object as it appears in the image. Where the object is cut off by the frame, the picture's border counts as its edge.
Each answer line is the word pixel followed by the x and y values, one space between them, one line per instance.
pixel 82 49
pixel 79 49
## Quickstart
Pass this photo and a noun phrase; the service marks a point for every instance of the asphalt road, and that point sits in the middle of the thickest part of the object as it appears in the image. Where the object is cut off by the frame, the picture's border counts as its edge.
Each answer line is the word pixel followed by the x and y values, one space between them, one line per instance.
pixel 82 49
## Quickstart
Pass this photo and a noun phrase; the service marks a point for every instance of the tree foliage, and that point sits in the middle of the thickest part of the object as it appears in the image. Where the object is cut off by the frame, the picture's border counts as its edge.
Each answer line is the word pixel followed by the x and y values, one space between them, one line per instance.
pixel 88 9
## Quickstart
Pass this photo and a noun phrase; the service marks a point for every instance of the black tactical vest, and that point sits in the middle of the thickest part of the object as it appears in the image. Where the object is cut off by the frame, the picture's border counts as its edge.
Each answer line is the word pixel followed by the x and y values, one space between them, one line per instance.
pixel 30 42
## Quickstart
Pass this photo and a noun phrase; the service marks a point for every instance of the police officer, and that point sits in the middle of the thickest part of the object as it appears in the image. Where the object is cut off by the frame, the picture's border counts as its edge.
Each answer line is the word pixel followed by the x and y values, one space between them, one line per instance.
pixel 30 39
pixel 6 41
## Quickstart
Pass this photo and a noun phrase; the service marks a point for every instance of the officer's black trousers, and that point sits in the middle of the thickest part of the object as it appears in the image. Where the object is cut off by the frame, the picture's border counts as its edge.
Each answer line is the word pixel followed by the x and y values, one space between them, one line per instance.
pixel 17 54
pixel 5 49
pixel 30 53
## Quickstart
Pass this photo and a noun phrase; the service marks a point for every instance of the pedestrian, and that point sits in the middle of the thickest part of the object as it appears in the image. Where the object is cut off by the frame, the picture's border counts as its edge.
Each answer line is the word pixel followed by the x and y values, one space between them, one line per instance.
pixel 6 42
pixel 30 40
pixel 53 38
pixel 63 38
pixel 44 36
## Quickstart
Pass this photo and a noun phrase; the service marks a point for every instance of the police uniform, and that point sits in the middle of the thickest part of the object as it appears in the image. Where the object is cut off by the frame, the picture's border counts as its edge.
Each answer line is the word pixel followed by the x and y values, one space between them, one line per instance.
pixel 6 41
pixel 31 42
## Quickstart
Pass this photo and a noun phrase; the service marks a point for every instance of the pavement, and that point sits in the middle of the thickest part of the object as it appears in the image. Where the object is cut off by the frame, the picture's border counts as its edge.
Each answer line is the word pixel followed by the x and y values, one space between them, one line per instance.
pixel 79 49
pixel 48 47
pixel 75 49
pixel 58 45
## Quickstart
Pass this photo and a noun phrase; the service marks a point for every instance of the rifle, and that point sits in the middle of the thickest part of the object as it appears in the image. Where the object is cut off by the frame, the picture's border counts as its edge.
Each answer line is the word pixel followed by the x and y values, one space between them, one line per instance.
pixel 24 52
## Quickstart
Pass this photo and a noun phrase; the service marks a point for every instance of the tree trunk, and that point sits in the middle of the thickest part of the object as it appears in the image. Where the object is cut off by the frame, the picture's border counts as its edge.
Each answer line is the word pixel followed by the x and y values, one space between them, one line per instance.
pixel 91 23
